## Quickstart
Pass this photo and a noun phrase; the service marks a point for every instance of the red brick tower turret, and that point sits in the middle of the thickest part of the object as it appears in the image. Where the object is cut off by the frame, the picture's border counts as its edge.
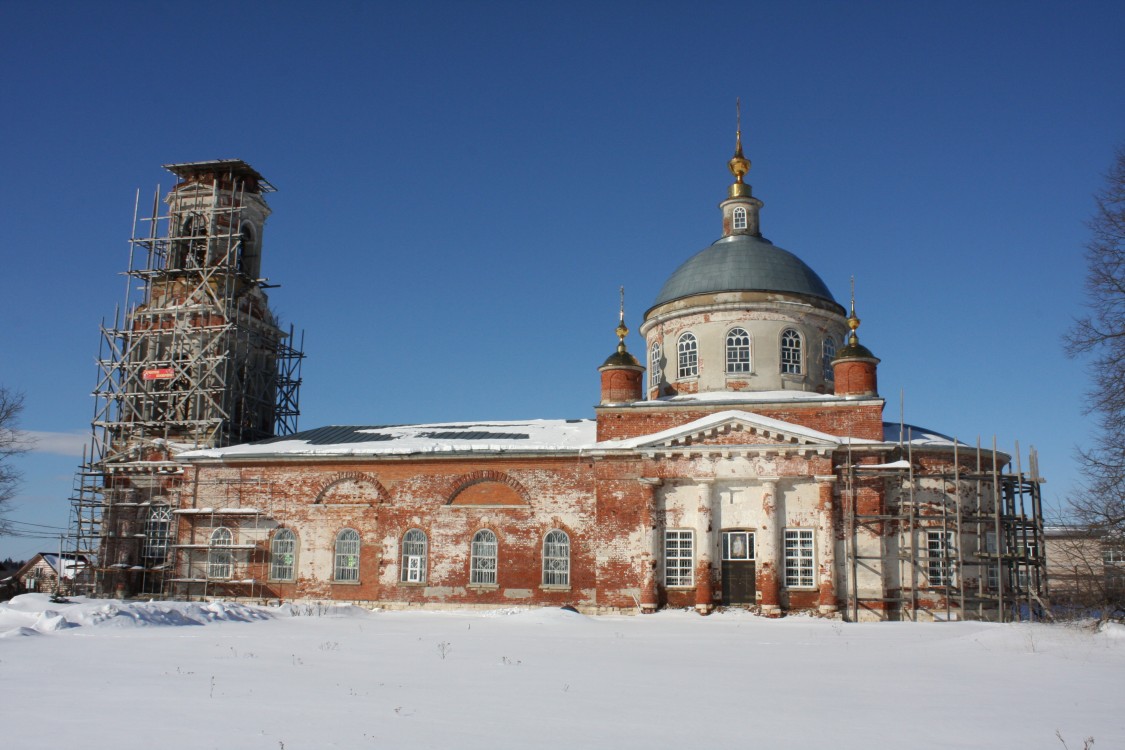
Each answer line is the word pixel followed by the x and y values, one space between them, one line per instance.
pixel 855 366
pixel 622 374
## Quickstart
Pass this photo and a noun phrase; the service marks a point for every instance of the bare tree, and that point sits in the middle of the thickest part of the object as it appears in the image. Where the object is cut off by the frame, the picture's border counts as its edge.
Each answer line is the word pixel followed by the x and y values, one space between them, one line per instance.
pixel 1100 506
pixel 12 444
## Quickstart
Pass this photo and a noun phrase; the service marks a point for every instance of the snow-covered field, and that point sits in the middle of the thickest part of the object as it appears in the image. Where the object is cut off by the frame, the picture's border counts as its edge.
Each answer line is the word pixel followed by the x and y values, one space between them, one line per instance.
pixel 100 674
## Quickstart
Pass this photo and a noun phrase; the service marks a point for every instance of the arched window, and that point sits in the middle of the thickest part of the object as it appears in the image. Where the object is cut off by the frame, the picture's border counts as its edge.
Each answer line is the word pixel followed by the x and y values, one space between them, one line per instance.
pixel 346 567
pixel 556 559
pixel 688 361
pixel 283 555
pixel 482 564
pixel 191 252
pixel 790 352
pixel 654 373
pixel 414 556
pixel 740 218
pixel 220 560
pixel 738 351
pixel 158 529
pixel 829 355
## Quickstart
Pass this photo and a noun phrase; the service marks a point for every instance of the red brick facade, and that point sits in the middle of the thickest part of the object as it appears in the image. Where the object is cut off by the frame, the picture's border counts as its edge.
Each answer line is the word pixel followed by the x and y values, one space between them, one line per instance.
pixel 614 505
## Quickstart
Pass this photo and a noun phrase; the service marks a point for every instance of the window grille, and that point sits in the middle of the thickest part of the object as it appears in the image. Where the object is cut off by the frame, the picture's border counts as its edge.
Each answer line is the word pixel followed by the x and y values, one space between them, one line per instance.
pixel 654 373
pixel 283 551
pixel 220 561
pixel 738 351
pixel 556 559
pixel 938 568
pixel 990 548
pixel 688 350
pixel 790 352
pixel 679 556
pixel 414 556
pixel 740 218
pixel 346 567
pixel 799 558
pixel 829 355
pixel 482 565
pixel 158 529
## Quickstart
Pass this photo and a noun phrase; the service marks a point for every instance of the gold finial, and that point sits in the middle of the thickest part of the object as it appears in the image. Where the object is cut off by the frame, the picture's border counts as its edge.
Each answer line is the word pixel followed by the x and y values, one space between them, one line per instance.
pixel 739 165
pixel 622 329
pixel 853 321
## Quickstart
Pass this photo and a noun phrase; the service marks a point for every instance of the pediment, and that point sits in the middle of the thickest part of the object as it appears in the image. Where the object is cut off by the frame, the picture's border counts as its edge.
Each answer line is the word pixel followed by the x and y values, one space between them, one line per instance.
pixel 734 428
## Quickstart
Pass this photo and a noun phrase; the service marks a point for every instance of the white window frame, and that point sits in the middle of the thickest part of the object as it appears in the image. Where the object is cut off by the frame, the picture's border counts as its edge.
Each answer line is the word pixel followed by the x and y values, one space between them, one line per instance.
pixel 790 352
pixel 992 566
pixel 220 559
pixel 158 534
pixel 829 354
pixel 654 373
pixel 679 558
pixel 800 559
pixel 939 564
pixel 739 351
pixel 739 220
pixel 414 554
pixel 345 567
pixel 687 356
pixel 483 558
pixel 556 558
pixel 283 555
pixel 730 552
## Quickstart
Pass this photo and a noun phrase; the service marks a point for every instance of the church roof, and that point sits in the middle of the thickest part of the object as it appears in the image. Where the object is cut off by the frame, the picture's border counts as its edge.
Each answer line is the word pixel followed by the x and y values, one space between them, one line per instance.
pixel 743 263
pixel 492 438
pixel 535 435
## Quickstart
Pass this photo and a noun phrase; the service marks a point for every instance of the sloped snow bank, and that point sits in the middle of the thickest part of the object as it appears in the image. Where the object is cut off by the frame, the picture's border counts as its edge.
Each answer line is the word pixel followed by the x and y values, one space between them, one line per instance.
pixel 35 613
pixel 1112 630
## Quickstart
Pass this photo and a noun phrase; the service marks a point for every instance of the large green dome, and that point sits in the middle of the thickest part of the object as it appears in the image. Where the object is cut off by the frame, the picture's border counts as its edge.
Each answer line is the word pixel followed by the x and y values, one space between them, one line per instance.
pixel 743 263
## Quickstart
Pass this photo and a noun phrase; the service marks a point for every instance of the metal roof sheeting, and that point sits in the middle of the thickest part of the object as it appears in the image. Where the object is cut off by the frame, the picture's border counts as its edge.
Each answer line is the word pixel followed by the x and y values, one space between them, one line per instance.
pixel 743 263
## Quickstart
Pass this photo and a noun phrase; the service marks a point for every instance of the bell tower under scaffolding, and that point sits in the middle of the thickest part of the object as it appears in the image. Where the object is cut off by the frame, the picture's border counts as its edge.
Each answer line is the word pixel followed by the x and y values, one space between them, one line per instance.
pixel 194 358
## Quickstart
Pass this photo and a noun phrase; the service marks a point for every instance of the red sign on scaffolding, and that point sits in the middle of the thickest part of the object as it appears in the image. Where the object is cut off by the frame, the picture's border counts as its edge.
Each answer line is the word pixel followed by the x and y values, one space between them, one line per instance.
pixel 161 373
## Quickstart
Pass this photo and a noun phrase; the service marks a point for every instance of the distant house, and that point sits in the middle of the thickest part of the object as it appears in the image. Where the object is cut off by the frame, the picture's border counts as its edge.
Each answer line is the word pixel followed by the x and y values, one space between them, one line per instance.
pixel 41 573
pixel 1085 568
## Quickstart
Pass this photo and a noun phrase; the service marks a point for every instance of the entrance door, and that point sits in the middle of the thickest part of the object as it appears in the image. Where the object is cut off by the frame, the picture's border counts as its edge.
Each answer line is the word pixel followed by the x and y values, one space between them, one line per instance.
pixel 738 567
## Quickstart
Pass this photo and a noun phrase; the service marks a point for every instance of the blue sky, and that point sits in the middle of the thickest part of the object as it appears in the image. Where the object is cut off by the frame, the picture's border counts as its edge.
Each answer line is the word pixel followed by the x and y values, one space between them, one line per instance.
pixel 464 186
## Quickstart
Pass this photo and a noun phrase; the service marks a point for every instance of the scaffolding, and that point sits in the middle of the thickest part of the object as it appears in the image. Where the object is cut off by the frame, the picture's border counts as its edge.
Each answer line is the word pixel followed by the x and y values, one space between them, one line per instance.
pixel 223 545
pixel 193 358
pixel 957 539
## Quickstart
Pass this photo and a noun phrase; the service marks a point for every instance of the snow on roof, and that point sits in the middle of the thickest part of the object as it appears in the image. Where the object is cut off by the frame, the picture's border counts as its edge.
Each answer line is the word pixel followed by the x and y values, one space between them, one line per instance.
pixel 528 436
pixel 536 435
pixel 70 564
pixel 917 436
pixel 901 464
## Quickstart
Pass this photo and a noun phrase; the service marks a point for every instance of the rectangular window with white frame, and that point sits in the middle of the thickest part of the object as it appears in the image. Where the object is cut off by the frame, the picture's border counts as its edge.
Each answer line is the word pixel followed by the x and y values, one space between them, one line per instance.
pixel 939 567
pixel 799 559
pixel 679 557
pixel 993 565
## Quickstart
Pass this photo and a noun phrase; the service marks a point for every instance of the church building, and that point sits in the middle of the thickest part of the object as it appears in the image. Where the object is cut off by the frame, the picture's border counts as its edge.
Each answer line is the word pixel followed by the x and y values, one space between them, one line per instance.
pixel 741 460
